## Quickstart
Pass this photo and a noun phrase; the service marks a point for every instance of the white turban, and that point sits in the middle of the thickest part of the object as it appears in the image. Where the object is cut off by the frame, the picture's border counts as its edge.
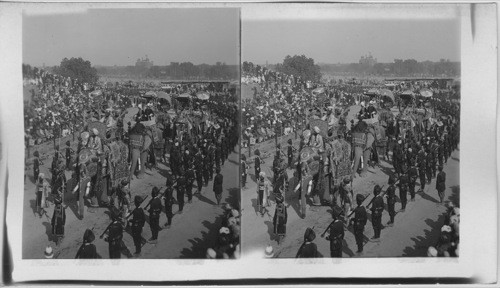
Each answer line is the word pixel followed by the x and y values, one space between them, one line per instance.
pixel 316 129
pixel 95 131
pixel 446 228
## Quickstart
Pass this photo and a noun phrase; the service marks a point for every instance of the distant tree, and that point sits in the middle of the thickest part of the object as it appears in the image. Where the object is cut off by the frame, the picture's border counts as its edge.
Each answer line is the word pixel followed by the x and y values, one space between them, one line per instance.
pixel 301 66
pixel 77 68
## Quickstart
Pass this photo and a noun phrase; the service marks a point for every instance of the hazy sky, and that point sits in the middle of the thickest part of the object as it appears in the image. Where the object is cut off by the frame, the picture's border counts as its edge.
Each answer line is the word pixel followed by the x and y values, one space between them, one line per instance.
pixel 345 41
pixel 120 36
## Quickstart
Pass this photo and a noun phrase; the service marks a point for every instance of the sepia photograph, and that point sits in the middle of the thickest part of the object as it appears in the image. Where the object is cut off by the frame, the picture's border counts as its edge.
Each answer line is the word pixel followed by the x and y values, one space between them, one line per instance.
pixel 350 137
pixel 131 134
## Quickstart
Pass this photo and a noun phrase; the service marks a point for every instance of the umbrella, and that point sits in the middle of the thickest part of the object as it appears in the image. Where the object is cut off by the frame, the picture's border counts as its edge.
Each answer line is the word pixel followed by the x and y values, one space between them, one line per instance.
pixel 407 93
pixel 426 93
pixel 129 116
pixel 387 95
pixel 372 92
pixel 150 94
pixel 319 90
pixel 96 93
pixel 164 95
pixel 203 96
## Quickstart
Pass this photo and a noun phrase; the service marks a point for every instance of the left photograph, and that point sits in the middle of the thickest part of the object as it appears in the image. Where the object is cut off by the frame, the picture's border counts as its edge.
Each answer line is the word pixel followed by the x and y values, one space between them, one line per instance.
pixel 131 121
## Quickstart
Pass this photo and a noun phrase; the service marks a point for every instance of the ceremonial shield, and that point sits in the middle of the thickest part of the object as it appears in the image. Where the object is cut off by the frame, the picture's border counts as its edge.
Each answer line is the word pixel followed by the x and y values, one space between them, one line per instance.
pixel 307 155
pixel 84 156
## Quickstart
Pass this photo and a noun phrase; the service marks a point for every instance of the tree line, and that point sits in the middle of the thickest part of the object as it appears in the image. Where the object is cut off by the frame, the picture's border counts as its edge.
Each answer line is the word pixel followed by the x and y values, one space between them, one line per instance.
pixel 297 65
pixel 175 71
pixel 75 68
pixel 400 67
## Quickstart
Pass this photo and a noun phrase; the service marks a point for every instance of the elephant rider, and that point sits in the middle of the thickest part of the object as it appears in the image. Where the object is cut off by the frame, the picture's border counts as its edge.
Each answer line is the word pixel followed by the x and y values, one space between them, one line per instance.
pixel 95 142
pixel 316 140
pixel 371 110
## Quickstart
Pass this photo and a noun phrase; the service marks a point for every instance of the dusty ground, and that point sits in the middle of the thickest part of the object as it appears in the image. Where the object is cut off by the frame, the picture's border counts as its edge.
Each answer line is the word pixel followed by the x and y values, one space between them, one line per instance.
pixel 191 233
pixel 414 230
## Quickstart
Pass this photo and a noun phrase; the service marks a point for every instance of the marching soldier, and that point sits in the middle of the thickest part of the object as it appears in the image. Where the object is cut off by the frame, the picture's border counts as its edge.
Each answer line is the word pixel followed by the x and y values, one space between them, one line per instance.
pixel 190 176
pixel 359 222
pixel 174 159
pixel 336 233
pixel 200 171
pixel 441 183
pixel 181 190
pixel 211 160
pixel 115 236
pixel 412 177
pixel 429 169
pixel 36 165
pixel 391 200
pixel 218 154
pixel 218 180
pixel 207 170
pixel 422 164
pixel 403 189
pixel 377 209
pixel 154 215
pixel 54 166
pixel 87 250
pixel 244 169
pixel 290 153
pixel 58 220
pixel 262 191
pixel 280 219
pixel 169 201
pixel 434 151
pixel 137 223
pixel 258 161
pixel 69 152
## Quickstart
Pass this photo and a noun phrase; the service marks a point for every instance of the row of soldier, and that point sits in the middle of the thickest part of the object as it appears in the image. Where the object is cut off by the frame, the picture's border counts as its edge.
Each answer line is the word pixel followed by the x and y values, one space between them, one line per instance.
pixel 211 145
pixel 414 156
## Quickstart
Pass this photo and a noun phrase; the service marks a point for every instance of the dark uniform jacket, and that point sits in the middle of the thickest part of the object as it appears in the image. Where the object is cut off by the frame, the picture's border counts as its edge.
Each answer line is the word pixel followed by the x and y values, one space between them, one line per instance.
pixel 441 181
pixel 377 206
pixel 155 208
pixel 87 251
pixel 307 250
pixel 218 183
pixel 115 232
pixel 138 218
pixel 360 218
pixel 336 235
pixel 391 194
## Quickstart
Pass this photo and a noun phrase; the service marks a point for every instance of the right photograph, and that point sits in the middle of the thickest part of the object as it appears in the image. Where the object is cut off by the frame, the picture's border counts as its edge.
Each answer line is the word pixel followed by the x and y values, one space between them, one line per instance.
pixel 350 133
